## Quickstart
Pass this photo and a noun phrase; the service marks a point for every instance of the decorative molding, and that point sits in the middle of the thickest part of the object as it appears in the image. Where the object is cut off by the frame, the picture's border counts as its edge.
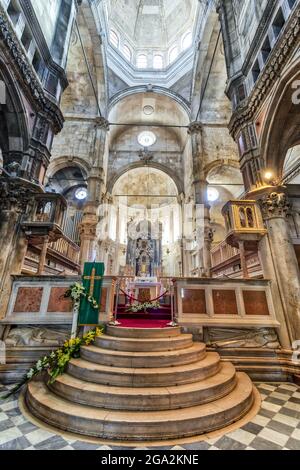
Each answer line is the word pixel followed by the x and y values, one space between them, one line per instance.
pixel 24 69
pixel 276 62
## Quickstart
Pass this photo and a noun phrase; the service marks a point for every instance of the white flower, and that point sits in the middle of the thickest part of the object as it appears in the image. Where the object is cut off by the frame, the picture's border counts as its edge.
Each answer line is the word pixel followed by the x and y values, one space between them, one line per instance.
pixel 30 374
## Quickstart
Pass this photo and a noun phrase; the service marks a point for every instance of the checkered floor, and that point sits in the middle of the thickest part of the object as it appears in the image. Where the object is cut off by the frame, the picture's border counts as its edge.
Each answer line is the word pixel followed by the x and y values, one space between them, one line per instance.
pixel 276 427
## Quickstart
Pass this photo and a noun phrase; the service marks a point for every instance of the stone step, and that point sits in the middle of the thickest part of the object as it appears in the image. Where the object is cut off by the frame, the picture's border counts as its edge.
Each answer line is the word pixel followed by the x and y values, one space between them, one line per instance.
pixel 122 332
pixel 140 425
pixel 144 344
pixel 145 377
pixel 153 399
pixel 144 359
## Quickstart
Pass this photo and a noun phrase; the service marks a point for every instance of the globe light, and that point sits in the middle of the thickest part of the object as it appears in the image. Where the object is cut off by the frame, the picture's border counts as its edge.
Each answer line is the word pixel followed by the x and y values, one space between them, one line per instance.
pixel 268 175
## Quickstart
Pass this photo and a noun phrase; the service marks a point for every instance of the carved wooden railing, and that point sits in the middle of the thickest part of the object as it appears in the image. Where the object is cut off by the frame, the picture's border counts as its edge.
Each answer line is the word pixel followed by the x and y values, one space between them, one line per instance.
pixel 223 252
pixel 226 261
pixel 66 248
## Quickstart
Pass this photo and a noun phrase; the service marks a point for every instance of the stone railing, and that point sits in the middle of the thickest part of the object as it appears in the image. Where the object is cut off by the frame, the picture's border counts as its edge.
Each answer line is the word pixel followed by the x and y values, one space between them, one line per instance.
pixel 39 300
pixel 225 303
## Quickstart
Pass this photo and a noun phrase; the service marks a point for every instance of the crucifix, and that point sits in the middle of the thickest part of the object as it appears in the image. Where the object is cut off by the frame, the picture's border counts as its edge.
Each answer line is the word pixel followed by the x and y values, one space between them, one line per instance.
pixel 92 278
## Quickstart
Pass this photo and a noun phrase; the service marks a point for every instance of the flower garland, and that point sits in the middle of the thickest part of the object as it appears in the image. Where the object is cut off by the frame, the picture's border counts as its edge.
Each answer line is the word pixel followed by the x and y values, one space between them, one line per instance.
pixel 76 291
pixel 144 306
pixel 56 363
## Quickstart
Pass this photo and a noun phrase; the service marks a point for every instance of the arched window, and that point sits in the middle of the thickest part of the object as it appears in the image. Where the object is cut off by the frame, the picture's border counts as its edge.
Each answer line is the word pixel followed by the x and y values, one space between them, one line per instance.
pixel 141 61
pixel 187 40
pixel 242 217
pixel 157 62
pixel 250 218
pixel 114 38
pixel 127 52
pixel 173 54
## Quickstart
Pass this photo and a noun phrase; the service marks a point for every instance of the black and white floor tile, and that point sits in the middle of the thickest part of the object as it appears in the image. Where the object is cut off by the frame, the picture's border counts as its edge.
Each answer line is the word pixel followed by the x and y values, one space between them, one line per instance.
pixel 276 427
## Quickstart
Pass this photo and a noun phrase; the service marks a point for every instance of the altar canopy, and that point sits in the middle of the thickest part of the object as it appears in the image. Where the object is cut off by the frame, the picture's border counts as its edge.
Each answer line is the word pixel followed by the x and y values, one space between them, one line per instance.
pixel 92 280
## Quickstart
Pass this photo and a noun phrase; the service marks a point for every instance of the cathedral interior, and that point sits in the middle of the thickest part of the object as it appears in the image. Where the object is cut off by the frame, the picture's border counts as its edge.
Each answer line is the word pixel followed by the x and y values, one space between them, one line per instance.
pixel 160 138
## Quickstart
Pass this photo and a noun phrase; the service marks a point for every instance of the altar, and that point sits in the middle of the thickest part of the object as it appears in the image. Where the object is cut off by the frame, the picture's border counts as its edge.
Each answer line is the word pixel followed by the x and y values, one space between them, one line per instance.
pixel 145 288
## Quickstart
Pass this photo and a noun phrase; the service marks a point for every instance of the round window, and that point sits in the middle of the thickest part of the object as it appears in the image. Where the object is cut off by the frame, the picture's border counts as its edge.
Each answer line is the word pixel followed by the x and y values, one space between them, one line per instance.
pixel 81 194
pixel 146 139
pixel 212 194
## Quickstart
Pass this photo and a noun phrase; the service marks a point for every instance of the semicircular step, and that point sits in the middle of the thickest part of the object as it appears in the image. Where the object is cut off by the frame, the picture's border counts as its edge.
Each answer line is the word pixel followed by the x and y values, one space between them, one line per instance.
pixel 126 332
pixel 153 399
pixel 144 344
pixel 140 425
pixel 145 377
pixel 195 352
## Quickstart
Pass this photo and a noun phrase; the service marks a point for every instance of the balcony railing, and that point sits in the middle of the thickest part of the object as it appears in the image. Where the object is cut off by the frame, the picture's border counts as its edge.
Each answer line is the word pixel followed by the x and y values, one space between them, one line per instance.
pixel 66 248
pixel 223 252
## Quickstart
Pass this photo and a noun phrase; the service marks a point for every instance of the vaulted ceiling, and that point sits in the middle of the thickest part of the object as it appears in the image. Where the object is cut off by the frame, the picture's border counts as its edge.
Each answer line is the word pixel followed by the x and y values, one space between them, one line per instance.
pixel 152 23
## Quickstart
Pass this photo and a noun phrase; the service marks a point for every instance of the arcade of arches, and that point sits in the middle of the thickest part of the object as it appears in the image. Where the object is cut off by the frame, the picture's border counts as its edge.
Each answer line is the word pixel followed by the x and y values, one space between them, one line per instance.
pixel 165 146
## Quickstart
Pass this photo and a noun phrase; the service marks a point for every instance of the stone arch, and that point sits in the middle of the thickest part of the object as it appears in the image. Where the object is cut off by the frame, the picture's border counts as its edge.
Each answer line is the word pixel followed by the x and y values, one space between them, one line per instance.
pixel 146 89
pixel 14 132
pixel 220 163
pixel 60 163
pixel 112 181
pixel 210 63
pixel 280 129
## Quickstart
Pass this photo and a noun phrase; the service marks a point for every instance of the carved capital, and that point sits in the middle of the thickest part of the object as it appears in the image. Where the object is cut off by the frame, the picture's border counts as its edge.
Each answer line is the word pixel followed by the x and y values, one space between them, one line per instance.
pixel 195 128
pixel 102 123
pixel 275 204
pixel 88 230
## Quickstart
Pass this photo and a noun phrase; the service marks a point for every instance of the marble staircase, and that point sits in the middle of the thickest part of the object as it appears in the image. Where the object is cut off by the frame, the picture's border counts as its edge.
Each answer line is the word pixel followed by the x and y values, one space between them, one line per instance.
pixel 143 385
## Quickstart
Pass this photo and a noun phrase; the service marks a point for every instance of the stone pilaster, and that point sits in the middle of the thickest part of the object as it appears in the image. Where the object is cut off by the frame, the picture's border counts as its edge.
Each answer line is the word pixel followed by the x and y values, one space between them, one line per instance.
pixel 96 191
pixel 200 190
pixel 278 250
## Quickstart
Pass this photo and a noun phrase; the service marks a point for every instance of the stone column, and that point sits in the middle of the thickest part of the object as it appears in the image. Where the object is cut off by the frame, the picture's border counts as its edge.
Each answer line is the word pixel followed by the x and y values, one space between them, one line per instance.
pixel 96 190
pixel 281 253
pixel 200 191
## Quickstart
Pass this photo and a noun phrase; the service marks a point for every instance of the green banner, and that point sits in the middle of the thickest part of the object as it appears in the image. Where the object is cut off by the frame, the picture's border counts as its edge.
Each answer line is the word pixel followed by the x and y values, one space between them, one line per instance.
pixel 92 282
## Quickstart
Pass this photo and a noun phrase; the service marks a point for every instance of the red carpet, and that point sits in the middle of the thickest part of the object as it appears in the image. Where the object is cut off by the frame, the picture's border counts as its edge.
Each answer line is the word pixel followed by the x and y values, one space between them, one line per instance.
pixel 141 323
